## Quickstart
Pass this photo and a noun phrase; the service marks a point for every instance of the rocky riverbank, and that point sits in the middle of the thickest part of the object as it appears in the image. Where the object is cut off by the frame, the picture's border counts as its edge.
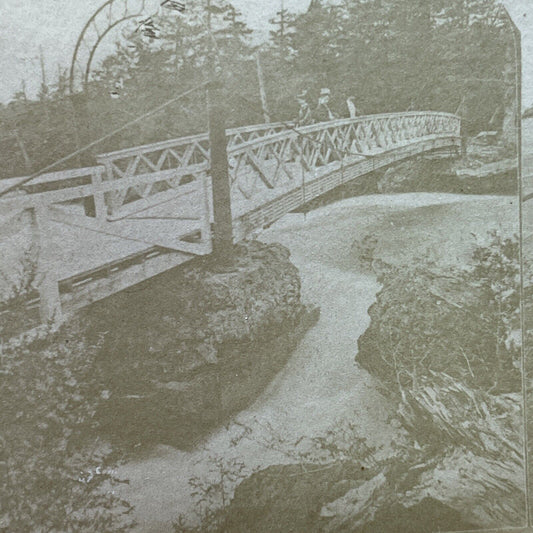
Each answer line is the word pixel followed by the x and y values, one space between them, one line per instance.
pixel 333 498
pixel 484 168
pixel 322 407
pixel 187 349
pixel 455 385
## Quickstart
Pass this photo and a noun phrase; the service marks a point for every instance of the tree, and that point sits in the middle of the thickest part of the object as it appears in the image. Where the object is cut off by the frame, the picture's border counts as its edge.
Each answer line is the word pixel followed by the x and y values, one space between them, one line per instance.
pixel 53 477
pixel 391 55
pixel 280 36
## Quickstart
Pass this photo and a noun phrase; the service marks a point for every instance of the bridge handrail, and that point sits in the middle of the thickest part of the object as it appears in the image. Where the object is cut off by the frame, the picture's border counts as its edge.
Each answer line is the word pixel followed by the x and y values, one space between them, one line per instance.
pixel 312 128
pixel 68 174
pixel 24 201
pixel 100 187
pixel 61 175
pixel 180 141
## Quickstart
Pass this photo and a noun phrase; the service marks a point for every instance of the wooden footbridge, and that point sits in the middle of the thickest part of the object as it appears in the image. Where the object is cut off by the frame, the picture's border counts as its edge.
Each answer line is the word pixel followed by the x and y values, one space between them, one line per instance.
pixel 153 204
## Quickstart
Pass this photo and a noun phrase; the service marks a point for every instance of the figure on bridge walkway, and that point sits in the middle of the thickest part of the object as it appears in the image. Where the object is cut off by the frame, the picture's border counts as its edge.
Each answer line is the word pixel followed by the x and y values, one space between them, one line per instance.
pixel 323 113
pixel 304 113
pixel 354 112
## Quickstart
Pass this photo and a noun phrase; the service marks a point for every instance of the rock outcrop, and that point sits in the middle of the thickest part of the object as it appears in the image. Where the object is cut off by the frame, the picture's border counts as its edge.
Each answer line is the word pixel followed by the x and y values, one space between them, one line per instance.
pixel 334 498
pixel 482 171
pixel 186 349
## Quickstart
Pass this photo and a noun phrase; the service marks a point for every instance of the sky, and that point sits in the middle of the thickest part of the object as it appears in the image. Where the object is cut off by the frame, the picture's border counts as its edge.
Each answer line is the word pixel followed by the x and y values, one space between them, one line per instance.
pixel 54 25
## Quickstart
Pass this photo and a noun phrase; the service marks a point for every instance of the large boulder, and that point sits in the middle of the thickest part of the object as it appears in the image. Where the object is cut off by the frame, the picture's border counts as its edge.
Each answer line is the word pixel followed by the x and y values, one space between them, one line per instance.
pixel 188 348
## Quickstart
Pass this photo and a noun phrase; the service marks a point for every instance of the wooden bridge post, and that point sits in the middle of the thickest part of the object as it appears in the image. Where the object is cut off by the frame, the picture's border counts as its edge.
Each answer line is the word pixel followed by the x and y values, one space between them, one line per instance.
pixel 223 225
pixel 100 207
pixel 80 104
pixel 48 287
pixel 205 229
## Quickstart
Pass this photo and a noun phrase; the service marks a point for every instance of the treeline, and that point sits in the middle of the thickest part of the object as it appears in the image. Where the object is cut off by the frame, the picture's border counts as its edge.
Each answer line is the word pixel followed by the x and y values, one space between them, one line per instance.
pixel 390 55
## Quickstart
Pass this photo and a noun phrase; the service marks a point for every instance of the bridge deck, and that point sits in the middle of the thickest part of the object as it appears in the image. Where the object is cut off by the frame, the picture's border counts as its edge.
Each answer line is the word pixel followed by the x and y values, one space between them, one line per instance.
pixel 79 244
pixel 83 249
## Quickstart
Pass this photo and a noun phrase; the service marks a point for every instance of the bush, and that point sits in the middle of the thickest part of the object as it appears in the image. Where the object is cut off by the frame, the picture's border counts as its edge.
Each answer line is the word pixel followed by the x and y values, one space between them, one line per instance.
pixel 54 474
pixel 460 323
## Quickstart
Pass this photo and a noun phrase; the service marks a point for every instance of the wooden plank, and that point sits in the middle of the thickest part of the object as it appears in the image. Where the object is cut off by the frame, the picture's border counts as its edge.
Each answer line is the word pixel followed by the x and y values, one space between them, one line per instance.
pixel 283 166
pixel 46 198
pixel 7 183
pixel 122 279
pixel 138 206
pixel 47 284
pixel 137 232
pixel 154 147
pixel 205 229
pixel 153 177
pixel 66 284
pixel 100 206
pixel 63 175
pixel 73 193
pixel 256 165
pixel 181 141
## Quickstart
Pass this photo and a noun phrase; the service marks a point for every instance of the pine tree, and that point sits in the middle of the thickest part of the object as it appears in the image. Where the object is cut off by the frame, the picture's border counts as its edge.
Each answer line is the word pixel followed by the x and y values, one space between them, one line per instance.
pixel 280 36
pixel 314 4
pixel 230 32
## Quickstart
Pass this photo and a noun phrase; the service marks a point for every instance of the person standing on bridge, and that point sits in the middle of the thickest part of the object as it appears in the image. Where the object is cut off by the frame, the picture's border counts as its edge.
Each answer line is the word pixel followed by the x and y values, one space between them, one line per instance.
pixel 304 113
pixel 323 113
pixel 354 112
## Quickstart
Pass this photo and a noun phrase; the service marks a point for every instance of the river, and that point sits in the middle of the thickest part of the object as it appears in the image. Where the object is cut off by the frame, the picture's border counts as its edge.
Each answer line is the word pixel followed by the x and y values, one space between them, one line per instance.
pixel 321 385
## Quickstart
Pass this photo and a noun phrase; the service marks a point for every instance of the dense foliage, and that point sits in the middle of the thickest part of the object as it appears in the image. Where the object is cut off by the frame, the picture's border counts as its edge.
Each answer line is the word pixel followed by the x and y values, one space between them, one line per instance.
pixel 391 55
pixel 463 324
pixel 54 474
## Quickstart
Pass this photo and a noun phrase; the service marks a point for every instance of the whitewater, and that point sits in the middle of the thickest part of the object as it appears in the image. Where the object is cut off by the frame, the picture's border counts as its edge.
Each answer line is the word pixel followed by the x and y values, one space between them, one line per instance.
pixel 321 386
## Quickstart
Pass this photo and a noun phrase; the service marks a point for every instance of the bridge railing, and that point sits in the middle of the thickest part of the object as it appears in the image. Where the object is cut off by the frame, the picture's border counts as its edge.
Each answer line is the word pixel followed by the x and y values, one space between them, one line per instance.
pixel 178 161
pixel 235 137
pixel 283 158
pixel 260 157
pixel 256 152
pixel 181 149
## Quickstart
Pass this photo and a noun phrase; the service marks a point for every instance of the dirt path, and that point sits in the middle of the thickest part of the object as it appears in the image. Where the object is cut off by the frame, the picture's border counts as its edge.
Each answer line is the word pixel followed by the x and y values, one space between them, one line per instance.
pixel 321 384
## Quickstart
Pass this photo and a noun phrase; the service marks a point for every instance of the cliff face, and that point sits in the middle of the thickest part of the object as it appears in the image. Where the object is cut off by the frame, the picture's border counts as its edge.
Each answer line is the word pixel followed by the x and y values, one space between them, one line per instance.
pixel 485 169
pixel 188 348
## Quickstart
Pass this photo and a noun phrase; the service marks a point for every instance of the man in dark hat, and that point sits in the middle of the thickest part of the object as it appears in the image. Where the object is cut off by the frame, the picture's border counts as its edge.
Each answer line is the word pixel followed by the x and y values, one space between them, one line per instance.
pixel 323 112
pixel 304 113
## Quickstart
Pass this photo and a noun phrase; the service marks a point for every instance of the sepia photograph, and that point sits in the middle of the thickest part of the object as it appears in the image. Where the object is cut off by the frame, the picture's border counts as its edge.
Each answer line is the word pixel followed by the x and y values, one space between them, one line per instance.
pixel 266 266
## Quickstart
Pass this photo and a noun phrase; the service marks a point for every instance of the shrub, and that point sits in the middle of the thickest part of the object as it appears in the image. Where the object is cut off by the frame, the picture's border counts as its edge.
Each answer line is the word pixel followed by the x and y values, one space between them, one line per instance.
pixel 54 476
pixel 461 323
